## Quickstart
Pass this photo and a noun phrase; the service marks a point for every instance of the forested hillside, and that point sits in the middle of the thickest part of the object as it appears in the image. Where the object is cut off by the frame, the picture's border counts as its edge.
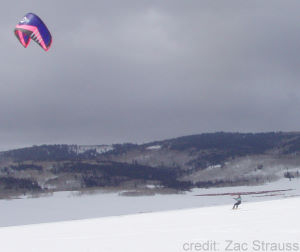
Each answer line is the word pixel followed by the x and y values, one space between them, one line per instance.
pixel 213 159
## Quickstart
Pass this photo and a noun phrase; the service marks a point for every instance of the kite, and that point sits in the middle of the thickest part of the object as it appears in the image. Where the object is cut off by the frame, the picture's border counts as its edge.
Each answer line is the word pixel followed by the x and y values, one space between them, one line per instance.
pixel 32 27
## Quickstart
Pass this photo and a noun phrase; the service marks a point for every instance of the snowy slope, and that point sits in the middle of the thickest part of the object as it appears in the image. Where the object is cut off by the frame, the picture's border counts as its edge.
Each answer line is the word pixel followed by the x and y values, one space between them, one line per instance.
pixel 256 227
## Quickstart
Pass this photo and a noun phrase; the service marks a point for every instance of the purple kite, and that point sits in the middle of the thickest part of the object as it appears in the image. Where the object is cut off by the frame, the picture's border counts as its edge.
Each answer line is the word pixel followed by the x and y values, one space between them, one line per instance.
pixel 32 27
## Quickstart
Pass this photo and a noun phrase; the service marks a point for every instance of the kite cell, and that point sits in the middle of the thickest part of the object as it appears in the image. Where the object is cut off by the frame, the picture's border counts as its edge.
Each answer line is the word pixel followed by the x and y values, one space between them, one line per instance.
pixel 32 27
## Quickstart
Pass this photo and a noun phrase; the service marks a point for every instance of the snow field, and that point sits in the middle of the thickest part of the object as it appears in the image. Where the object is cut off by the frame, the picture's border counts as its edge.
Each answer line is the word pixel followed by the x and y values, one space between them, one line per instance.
pixel 256 226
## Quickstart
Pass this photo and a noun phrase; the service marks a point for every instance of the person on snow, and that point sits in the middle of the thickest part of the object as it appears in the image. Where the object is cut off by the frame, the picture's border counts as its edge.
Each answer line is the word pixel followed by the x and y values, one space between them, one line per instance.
pixel 238 202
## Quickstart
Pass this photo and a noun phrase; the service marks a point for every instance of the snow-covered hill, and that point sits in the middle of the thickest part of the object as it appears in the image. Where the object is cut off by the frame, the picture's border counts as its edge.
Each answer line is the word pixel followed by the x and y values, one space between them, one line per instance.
pixel 79 149
pixel 260 226
pixel 205 160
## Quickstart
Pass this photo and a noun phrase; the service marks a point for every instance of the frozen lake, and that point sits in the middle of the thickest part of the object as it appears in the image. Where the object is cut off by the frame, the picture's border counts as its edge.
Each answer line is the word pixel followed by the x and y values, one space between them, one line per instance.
pixel 257 226
pixel 64 206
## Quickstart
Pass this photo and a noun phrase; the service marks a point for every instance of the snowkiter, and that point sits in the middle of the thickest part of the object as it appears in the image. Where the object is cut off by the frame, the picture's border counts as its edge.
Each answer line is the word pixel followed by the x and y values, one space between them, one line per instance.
pixel 238 202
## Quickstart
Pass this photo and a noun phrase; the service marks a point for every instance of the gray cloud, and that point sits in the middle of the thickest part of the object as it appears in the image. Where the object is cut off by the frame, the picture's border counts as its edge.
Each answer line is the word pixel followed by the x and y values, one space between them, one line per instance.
pixel 144 70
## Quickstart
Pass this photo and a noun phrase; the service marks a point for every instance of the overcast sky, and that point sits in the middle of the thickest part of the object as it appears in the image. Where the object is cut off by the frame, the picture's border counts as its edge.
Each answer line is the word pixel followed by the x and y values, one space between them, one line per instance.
pixel 140 70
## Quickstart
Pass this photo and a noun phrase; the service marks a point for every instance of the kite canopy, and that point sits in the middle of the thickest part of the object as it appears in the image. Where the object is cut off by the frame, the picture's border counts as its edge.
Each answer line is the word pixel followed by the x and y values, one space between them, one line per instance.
pixel 32 27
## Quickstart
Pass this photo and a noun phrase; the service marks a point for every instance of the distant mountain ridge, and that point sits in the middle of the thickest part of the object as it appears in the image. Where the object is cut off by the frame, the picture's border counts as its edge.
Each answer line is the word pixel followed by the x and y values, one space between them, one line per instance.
pixel 211 159
pixel 55 152
pixel 239 143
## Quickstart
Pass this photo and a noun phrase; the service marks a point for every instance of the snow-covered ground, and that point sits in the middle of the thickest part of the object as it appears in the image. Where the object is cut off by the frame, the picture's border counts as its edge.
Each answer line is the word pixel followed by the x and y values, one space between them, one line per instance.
pixel 79 149
pixel 257 226
pixel 64 206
